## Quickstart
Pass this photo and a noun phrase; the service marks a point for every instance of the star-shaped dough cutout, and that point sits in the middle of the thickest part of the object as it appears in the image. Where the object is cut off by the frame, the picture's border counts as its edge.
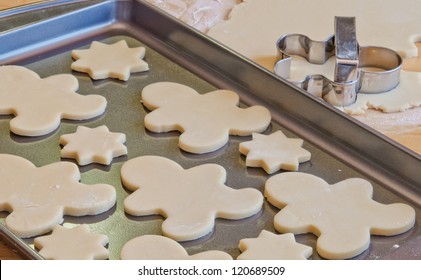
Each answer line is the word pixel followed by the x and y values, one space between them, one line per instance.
pixel 270 246
pixel 76 243
pixel 39 104
pixel 156 247
pixel 274 152
pixel 190 199
pixel 90 145
pixel 38 197
pixel 204 120
pixel 103 61
pixel 342 215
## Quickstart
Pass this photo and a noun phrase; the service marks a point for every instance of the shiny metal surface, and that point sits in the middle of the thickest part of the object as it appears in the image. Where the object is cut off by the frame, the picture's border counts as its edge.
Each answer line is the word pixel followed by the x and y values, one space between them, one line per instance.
pixel 341 147
pixel 358 69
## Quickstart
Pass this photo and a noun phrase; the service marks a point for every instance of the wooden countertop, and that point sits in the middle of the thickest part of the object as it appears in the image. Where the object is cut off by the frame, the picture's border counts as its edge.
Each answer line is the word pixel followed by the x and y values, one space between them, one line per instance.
pixel 5 4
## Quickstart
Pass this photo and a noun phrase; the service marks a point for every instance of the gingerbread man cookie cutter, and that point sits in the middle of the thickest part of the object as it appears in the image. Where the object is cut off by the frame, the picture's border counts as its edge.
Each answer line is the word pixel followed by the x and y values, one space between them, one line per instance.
pixel 353 69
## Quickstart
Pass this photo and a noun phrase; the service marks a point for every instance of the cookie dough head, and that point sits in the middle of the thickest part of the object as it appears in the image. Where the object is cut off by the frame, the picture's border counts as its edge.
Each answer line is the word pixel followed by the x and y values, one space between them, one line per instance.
pixel 155 247
pixel 342 215
pixel 204 120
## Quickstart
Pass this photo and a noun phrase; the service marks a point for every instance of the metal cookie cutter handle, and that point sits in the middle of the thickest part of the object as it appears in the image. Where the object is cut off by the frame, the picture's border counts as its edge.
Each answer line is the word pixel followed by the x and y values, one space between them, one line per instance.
pixel 357 69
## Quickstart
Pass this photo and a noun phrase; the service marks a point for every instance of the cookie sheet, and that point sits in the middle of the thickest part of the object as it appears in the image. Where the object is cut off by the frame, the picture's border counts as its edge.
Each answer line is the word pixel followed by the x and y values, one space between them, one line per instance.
pixel 41 38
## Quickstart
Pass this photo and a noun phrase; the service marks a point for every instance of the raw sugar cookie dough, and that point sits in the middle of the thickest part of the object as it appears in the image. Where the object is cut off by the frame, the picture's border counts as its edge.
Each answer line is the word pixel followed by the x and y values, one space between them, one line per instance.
pixel 40 103
pixel 258 21
pixel 189 199
pixel 342 215
pixel 200 14
pixel 76 243
pixel 204 120
pixel 274 152
pixel 270 246
pixel 156 247
pixel 316 22
pixel 38 197
pixel 88 145
pixel 103 61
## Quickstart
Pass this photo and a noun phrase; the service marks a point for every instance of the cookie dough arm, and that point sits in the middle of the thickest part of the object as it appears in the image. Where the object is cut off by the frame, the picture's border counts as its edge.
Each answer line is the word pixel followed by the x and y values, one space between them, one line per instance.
pixel 35 220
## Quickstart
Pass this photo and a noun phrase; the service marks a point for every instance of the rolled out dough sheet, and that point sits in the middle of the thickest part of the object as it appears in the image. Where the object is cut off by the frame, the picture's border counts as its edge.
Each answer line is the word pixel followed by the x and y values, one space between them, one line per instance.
pixel 262 22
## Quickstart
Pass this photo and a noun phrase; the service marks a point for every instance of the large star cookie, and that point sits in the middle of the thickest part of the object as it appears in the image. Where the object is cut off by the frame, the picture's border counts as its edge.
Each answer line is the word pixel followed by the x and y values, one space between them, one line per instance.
pixel 274 152
pixel 103 61
pixel 270 246
pixel 38 198
pixel 72 244
pixel 39 104
pixel 204 120
pixel 90 145
pixel 156 247
pixel 190 200
pixel 342 215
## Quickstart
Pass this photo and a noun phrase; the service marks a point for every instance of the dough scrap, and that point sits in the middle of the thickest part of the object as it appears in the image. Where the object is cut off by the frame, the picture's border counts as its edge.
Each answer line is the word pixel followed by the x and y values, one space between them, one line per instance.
pixel 76 243
pixel 310 18
pixel 200 14
pixel 39 104
pixel 190 199
pixel 103 61
pixel 274 152
pixel 270 246
pixel 156 247
pixel 38 197
pixel 204 120
pixel 88 145
pixel 342 215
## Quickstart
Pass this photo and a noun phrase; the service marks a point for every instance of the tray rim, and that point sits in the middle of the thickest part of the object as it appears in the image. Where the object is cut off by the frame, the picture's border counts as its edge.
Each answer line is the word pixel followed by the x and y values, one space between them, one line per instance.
pixel 111 21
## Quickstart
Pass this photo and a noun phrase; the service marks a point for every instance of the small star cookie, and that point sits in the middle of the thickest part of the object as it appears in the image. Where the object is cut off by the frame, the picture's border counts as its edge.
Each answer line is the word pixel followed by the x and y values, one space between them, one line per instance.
pixel 270 246
pixel 204 120
pixel 274 152
pixel 342 215
pixel 190 199
pixel 156 247
pixel 103 61
pixel 72 244
pixel 90 145
pixel 38 197
pixel 39 104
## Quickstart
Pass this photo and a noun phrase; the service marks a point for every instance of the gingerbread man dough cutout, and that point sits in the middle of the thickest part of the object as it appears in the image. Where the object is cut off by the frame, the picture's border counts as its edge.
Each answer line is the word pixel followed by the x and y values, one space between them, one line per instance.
pixel 190 199
pixel 38 197
pixel 342 215
pixel 103 61
pixel 270 246
pixel 274 152
pixel 156 247
pixel 204 120
pixel 39 104
pixel 76 243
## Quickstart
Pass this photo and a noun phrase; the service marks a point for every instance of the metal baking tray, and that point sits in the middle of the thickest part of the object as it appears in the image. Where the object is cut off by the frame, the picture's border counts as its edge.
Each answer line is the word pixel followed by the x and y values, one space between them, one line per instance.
pixel 41 38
